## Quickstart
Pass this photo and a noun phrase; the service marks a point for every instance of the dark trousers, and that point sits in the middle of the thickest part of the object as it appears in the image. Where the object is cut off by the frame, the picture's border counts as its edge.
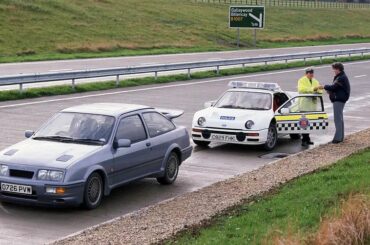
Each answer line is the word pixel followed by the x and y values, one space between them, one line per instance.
pixel 306 138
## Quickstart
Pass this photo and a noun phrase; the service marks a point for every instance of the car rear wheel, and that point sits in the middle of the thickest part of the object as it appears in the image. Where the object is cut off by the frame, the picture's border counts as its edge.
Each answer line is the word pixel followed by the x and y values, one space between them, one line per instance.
pixel 93 193
pixel 271 138
pixel 201 143
pixel 171 170
pixel 295 136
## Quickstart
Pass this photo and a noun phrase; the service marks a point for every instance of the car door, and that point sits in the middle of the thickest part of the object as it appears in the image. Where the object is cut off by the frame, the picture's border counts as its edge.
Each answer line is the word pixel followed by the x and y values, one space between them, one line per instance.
pixel 159 128
pixel 134 161
pixel 302 114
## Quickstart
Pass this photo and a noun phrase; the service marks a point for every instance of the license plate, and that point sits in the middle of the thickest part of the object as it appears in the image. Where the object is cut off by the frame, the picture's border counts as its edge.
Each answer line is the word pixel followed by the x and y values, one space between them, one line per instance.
pixel 222 137
pixel 21 189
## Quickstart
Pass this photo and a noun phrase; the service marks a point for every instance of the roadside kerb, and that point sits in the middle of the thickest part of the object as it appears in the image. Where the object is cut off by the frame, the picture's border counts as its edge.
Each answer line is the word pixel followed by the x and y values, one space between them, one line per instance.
pixel 166 219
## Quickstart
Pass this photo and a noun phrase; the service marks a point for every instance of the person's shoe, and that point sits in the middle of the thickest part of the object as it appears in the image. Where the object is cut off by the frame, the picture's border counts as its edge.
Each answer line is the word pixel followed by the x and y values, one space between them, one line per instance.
pixel 310 143
pixel 304 143
pixel 336 141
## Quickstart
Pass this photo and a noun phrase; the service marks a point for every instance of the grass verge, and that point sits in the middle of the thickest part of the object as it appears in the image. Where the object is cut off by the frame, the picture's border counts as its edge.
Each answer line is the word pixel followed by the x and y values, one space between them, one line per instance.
pixel 67 29
pixel 96 86
pixel 295 208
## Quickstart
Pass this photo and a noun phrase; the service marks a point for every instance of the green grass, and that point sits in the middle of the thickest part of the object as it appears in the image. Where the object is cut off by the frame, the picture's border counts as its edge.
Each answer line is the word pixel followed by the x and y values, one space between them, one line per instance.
pixel 295 207
pixel 62 29
pixel 7 95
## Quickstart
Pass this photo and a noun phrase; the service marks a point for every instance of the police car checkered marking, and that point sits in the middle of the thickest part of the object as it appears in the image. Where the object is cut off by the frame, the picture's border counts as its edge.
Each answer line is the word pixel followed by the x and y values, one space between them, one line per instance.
pixel 281 127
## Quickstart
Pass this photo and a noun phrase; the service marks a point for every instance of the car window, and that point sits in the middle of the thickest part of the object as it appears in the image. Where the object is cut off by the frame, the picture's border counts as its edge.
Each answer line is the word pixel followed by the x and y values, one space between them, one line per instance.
pixel 157 124
pixel 79 126
pixel 131 128
pixel 305 104
pixel 245 100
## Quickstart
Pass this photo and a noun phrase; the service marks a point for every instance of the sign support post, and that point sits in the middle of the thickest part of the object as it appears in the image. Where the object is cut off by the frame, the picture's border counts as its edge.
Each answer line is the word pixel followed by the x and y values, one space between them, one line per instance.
pixel 238 37
pixel 254 37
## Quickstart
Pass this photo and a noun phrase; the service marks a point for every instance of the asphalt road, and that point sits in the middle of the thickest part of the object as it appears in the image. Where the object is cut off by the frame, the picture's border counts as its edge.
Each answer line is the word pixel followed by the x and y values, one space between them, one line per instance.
pixel 20 225
pixel 87 64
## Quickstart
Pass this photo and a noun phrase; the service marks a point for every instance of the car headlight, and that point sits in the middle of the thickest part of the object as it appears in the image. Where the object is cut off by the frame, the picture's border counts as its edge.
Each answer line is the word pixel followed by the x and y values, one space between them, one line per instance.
pixel 201 121
pixel 4 170
pixel 50 175
pixel 249 124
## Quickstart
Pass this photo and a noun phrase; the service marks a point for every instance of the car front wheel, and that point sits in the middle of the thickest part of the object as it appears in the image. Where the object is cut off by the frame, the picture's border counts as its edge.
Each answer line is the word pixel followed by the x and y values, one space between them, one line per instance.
pixel 93 193
pixel 171 170
pixel 271 138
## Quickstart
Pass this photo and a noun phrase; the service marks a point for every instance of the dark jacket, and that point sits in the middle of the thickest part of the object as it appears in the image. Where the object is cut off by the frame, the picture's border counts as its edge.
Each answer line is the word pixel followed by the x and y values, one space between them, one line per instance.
pixel 340 90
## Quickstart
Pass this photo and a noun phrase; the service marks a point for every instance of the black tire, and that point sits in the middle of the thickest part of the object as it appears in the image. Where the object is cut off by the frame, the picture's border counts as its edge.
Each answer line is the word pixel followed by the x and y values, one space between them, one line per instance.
pixel 93 193
pixel 295 136
pixel 272 138
pixel 201 143
pixel 171 170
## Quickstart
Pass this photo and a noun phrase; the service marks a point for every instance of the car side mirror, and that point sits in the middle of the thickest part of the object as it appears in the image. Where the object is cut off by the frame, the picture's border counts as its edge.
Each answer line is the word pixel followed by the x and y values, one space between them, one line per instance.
pixel 284 111
pixel 29 133
pixel 209 104
pixel 122 143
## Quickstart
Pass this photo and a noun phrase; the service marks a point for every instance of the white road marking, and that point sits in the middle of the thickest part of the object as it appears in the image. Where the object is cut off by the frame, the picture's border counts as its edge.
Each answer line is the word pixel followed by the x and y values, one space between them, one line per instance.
pixel 146 64
pixel 360 76
pixel 60 70
pixel 166 86
pixel 360 98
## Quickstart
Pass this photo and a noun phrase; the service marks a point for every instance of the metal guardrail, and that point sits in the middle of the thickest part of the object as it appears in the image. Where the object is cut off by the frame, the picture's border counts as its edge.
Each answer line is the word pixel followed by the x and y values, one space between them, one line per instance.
pixel 117 72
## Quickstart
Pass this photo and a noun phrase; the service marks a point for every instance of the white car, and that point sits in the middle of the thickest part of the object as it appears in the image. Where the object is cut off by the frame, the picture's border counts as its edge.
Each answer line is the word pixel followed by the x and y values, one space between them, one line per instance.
pixel 253 113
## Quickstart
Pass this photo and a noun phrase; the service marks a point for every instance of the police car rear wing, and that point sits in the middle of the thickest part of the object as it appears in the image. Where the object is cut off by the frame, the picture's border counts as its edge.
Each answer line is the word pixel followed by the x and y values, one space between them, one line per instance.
pixel 255 85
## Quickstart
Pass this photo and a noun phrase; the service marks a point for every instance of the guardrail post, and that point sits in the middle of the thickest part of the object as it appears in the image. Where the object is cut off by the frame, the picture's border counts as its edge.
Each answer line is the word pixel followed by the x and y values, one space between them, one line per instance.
pixel 218 70
pixel 21 88
pixel 117 81
pixel 362 54
pixel 320 59
pixel 189 75
pixel 73 84
pixel 286 62
pixel 155 75
pixel 243 65
pixel 265 64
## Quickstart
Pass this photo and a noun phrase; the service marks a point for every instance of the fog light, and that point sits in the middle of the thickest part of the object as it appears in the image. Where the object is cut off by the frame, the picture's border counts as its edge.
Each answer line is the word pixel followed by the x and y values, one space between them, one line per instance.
pixel 51 190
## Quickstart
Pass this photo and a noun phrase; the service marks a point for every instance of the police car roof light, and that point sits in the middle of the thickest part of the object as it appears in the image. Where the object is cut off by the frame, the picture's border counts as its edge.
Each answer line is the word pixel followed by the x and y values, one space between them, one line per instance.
pixel 243 84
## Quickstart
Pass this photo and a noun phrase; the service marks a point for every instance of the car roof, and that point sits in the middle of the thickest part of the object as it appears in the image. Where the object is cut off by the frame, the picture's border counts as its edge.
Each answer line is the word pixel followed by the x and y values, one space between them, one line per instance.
pixel 109 109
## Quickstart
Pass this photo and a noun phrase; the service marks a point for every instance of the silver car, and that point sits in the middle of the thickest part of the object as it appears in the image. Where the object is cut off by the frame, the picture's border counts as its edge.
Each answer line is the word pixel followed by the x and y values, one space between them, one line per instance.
pixel 83 152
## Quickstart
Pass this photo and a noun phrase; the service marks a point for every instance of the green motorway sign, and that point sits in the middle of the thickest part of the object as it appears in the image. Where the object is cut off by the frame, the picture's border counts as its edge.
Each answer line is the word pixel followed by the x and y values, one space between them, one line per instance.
pixel 247 17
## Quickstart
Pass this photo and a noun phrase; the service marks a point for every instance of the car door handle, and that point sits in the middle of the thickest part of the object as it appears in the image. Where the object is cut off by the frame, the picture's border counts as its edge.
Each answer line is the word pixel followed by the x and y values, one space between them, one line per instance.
pixel 148 144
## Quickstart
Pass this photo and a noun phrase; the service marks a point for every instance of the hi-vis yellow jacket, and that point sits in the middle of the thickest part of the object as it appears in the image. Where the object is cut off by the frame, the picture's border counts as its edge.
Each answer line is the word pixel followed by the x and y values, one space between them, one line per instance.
pixel 305 86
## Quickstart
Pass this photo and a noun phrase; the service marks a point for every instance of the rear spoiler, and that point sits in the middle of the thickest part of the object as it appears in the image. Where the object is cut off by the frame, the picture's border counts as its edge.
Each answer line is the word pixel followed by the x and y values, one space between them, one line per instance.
pixel 170 113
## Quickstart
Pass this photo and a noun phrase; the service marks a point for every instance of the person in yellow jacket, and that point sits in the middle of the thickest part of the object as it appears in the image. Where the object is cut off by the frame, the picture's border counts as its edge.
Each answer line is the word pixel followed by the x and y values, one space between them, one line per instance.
pixel 307 85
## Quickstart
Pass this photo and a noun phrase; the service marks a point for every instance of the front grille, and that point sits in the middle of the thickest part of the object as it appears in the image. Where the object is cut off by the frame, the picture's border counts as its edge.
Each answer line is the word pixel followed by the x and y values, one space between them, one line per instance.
pixel 20 174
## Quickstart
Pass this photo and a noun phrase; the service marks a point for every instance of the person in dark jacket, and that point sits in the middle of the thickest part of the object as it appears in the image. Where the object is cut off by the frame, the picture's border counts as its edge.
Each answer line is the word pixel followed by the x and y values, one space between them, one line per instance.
pixel 339 92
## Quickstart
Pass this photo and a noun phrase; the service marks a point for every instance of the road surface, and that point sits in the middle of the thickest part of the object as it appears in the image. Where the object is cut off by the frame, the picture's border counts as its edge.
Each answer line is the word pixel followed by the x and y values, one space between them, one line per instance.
pixel 20 225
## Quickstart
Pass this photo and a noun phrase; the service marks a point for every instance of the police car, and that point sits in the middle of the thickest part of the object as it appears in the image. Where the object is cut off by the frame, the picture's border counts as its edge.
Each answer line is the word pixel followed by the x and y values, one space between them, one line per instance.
pixel 252 113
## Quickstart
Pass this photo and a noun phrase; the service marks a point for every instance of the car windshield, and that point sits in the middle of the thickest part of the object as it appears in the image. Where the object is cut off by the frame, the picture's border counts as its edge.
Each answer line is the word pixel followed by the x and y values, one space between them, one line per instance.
pixel 245 100
pixel 77 128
